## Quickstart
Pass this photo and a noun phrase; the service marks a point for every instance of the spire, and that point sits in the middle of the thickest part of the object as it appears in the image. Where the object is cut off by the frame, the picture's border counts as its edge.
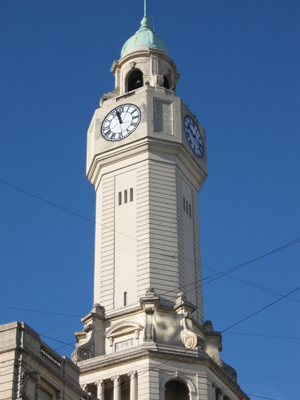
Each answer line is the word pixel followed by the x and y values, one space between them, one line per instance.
pixel 145 23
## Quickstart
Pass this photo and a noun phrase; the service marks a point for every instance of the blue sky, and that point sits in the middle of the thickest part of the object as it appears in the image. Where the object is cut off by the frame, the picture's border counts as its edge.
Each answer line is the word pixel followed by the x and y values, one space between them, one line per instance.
pixel 239 66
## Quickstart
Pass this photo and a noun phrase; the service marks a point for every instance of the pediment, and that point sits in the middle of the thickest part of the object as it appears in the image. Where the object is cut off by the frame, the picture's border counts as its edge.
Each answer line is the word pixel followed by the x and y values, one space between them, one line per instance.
pixel 122 328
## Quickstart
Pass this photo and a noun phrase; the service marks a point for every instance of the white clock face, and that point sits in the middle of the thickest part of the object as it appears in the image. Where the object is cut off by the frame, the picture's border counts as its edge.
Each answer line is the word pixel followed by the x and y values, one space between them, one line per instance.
pixel 193 136
pixel 120 122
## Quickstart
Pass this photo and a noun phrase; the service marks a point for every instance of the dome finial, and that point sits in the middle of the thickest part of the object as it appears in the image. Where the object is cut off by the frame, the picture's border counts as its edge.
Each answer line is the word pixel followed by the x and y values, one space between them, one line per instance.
pixel 145 24
pixel 145 36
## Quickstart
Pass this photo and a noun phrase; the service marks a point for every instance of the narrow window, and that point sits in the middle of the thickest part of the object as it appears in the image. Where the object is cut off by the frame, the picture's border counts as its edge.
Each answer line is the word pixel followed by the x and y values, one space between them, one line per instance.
pixel 125 196
pixel 187 206
pixel 183 204
pixel 131 194
pixel 125 298
pixel 120 198
pixel 190 213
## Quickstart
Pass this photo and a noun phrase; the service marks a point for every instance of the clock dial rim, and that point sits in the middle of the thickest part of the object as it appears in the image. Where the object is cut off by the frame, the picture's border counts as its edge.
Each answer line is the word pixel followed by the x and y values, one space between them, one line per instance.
pixel 134 123
pixel 189 135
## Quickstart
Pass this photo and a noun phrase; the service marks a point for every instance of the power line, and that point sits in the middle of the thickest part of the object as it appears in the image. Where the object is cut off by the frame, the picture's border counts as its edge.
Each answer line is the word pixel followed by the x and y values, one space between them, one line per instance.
pixel 251 284
pixel 182 353
pixel 251 315
pixel 296 241
pixel 47 201
pixel 261 397
pixel 56 340
pixel 60 327
pixel 226 272
pixel 262 309
pixel 40 311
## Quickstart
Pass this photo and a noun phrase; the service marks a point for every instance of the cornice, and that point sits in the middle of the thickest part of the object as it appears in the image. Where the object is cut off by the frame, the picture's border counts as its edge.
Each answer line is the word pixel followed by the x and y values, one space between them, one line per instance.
pixel 159 352
pixel 152 146
pixel 146 52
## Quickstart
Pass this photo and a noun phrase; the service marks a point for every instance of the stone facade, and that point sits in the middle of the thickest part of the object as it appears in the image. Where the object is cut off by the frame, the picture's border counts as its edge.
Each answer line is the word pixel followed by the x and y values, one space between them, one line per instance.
pixel 31 370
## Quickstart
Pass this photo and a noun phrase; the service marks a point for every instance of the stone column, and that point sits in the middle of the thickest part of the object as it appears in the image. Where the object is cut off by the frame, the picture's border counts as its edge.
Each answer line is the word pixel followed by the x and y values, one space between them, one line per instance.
pixel 133 385
pixel 219 395
pixel 100 389
pixel 117 380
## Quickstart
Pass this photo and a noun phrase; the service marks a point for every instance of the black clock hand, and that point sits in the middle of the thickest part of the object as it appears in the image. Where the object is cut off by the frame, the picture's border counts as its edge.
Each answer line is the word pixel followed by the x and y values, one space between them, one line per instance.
pixel 119 117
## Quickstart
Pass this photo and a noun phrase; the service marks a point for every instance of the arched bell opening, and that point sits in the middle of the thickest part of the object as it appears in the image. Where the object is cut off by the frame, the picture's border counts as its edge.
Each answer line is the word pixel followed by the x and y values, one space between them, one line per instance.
pixel 166 82
pixel 176 390
pixel 135 80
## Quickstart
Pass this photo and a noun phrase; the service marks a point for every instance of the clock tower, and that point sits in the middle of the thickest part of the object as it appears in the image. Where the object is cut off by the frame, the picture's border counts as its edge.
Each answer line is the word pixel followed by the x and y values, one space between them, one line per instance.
pixel 145 337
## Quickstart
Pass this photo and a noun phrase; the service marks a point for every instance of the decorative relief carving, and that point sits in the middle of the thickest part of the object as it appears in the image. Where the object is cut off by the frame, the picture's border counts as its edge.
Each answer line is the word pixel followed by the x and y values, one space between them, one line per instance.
pixel 150 302
pixel 132 374
pixel 117 380
pixel 213 343
pixel 87 328
pixel 85 350
pixel 149 333
pixel 189 338
pixel 29 386
pixel 84 387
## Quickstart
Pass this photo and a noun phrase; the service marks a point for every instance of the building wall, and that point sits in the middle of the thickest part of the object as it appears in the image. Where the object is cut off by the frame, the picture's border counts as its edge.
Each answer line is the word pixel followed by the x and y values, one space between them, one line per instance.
pixel 145 235
pixel 31 369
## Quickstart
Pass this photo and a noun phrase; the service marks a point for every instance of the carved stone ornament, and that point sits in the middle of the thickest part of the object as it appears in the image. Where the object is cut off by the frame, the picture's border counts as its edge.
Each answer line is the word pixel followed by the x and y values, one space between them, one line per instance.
pixel 182 305
pixel 149 332
pixel 84 387
pixel 87 328
pixel 213 343
pixel 29 386
pixel 85 350
pixel 150 302
pixel 117 380
pixel 190 339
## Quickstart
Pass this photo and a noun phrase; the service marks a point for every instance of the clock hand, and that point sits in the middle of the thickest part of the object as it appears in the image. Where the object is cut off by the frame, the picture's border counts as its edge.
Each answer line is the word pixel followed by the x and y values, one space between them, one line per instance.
pixel 119 117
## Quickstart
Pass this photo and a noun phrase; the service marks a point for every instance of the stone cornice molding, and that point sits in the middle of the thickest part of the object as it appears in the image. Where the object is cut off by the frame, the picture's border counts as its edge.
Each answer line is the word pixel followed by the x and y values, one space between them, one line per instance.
pixel 147 52
pixel 144 145
pixel 163 353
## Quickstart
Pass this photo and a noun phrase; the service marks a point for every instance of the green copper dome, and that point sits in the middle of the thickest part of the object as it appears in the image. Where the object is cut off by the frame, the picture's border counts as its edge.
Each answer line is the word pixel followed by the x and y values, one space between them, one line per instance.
pixel 144 37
